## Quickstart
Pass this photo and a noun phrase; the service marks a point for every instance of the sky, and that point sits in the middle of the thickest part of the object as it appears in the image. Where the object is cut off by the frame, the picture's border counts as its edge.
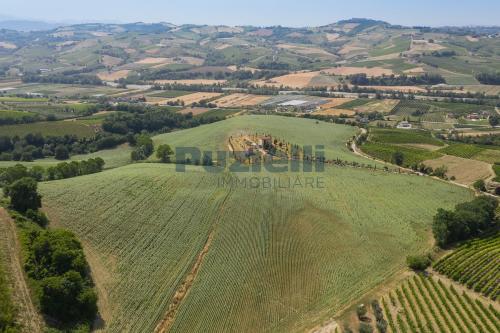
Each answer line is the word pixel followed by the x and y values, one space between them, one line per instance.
pixel 257 12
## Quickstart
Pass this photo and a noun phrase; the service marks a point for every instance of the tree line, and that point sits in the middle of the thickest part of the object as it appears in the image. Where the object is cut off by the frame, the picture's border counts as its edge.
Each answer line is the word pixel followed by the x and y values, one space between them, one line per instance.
pixel 171 74
pixel 54 261
pixel 61 170
pixel 81 79
pixel 489 78
pixel 154 120
pixel 484 140
pixel 467 220
pixel 36 146
pixel 392 80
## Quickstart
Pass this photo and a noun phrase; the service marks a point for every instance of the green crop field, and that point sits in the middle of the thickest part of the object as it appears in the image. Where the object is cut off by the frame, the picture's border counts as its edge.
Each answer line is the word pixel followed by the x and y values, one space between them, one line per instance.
pixel 355 103
pixel 11 114
pixel 411 155
pixel 476 265
pixel 259 247
pixel 401 136
pixel 215 136
pixel 23 99
pixel 436 111
pixel 55 128
pixel 488 155
pixel 462 150
pixel 407 108
pixel 148 224
pixel 397 65
pixel 396 45
pixel 60 110
pixel 170 93
pixel 222 113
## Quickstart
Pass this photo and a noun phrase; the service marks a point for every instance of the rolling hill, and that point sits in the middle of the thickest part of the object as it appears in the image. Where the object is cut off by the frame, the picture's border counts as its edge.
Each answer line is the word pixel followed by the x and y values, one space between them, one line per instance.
pixel 180 252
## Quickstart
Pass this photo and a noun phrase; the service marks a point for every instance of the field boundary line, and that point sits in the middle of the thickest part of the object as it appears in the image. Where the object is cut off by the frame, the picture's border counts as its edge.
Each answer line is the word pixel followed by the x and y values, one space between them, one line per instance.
pixel 27 315
pixel 187 283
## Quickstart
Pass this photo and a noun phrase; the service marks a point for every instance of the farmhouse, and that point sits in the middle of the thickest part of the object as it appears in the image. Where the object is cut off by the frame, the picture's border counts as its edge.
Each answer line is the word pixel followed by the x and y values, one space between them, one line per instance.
pixel 473 116
pixel 266 142
pixel 404 125
pixel 31 94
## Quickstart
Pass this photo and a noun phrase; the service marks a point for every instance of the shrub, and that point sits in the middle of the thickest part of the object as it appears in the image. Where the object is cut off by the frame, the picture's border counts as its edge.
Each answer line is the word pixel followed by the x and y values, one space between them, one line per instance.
pixel 365 328
pixel 418 263
pixel 398 158
pixel 480 185
pixel 38 217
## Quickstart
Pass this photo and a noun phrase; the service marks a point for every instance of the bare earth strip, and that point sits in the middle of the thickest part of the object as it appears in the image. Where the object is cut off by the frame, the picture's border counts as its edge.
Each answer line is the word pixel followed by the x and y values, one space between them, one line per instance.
pixel 374 71
pixel 191 82
pixel 240 100
pixel 336 112
pixel 7 45
pixel 28 316
pixel 296 80
pixel 305 50
pixel 194 98
pixel 194 111
pixel 187 99
pixel 112 76
pixel 480 133
pixel 154 61
pixel 334 102
pixel 406 89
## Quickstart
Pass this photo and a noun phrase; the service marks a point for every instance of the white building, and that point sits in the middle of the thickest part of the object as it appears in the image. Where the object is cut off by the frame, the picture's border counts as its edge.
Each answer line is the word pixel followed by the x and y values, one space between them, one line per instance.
pixel 404 125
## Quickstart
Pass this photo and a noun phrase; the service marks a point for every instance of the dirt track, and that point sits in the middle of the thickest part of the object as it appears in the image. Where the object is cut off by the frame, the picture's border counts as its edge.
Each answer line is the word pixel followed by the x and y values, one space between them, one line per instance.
pixel 184 288
pixel 28 316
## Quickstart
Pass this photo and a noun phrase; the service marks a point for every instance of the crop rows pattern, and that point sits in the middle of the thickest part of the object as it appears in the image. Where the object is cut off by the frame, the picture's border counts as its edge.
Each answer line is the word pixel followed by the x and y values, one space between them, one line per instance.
pixel 427 304
pixel 475 264
pixel 278 260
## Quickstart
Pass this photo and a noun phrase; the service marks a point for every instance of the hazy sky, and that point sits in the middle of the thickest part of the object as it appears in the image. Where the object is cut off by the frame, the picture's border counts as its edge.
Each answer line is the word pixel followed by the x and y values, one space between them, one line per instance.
pixel 258 12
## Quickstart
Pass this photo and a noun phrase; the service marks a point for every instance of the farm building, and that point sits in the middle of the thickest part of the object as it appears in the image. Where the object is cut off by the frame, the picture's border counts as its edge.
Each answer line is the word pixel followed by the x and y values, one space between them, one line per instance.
pixel 299 102
pixel 295 102
pixel 266 142
pixel 404 125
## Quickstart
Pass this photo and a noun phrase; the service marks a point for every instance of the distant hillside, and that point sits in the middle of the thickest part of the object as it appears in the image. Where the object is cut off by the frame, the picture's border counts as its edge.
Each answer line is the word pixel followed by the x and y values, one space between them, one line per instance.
pixel 26 25
pixel 163 51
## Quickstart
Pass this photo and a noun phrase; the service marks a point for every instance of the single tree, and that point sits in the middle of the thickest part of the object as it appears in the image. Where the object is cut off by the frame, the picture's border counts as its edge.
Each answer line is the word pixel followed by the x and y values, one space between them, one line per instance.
pixel 398 158
pixel 23 195
pixel 164 152
pixel 418 263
